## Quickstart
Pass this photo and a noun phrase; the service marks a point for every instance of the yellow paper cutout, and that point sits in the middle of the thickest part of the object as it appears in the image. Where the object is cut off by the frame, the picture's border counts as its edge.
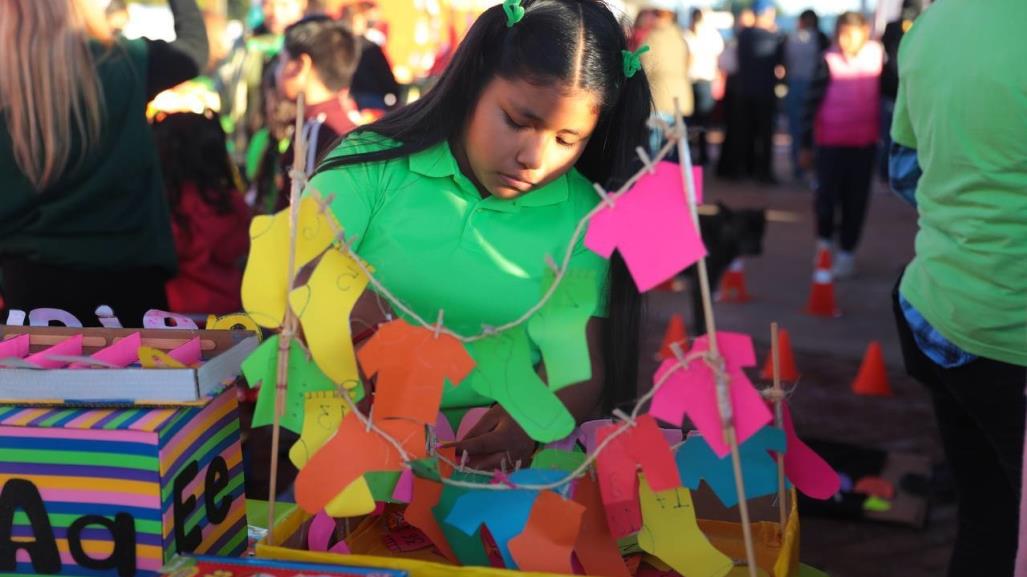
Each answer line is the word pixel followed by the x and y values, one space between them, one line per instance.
pixel 151 358
pixel 354 500
pixel 671 532
pixel 323 306
pixel 236 321
pixel 323 412
pixel 265 284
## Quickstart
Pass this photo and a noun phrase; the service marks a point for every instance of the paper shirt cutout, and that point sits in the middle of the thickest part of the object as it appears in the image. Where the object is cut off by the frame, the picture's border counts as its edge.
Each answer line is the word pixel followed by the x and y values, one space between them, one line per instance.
pixel 692 390
pixel 808 471
pixel 595 547
pixel 351 453
pixel 412 365
pixel 265 283
pixel 15 348
pixel 153 358
pixel 323 306
pixel 671 533
pixel 547 540
pixel 651 226
pixel 425 497
pixel 558 460
pixel 697 461
pixel 322 414
pixel 121 354
pixel 558 329
pixel 505 513
pixel 617 464
pixel 469 549
pixel 69 347
pixel 506 375
pixel 261 368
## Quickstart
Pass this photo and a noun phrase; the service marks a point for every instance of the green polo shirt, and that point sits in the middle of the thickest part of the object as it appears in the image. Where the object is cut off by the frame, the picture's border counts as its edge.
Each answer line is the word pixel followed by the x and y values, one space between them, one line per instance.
pixel 962 103
pixel 437 244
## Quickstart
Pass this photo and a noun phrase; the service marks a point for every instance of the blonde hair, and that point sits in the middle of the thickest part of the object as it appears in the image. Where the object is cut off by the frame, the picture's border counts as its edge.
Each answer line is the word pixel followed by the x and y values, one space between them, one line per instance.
pixel 49 90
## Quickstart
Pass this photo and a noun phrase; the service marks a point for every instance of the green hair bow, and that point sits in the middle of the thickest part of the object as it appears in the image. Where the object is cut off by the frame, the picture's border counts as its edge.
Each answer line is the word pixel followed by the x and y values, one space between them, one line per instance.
pixel 514 12
pixel 633 60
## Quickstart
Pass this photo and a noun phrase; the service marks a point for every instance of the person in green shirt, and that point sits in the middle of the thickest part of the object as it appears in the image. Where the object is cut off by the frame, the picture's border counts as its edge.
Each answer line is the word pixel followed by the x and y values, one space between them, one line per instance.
pixel 961 305
pixel 458 199
pixel 83 217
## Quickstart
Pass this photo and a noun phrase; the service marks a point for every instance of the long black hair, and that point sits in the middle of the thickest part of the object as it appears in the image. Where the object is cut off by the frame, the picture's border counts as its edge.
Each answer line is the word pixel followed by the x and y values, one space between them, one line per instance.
pixel 575 43
pixel 193 150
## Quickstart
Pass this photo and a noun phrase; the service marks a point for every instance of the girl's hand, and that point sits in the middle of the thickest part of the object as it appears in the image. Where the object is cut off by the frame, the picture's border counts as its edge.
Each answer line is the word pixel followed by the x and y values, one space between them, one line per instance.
pixel 496 437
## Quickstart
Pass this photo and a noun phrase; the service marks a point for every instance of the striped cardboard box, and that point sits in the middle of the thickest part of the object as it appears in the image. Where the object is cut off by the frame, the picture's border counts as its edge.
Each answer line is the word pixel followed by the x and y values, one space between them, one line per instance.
pixel 117 492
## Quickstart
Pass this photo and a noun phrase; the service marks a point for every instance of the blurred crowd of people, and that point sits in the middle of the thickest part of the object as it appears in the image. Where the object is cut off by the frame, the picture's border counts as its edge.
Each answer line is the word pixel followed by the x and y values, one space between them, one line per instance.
pixel 223 118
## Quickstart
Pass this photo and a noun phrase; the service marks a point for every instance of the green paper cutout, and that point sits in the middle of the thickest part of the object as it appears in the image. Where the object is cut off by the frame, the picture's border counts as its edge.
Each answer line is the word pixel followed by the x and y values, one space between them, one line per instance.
pixel 876 504
pixel 304 377
pixel 382 484
pixel 427 468
pixel 469 549
pixel 559 327
pixel 506 375
pixel 558 460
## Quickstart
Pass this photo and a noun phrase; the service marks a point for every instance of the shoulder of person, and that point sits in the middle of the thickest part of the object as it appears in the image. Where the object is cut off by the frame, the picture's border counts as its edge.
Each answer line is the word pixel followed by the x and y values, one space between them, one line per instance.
pixel 362 142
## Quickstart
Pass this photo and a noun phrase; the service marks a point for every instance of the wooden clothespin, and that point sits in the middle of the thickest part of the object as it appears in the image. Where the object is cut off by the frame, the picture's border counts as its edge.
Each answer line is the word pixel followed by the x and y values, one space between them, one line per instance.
pixel 438 323
pixel 678 353
pixel 644 157
pixel 603 194
pixel 463 461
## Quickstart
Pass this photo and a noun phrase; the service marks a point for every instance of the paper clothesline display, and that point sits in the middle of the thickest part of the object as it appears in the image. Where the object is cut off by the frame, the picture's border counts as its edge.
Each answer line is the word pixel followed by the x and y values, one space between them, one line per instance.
pixel 350 461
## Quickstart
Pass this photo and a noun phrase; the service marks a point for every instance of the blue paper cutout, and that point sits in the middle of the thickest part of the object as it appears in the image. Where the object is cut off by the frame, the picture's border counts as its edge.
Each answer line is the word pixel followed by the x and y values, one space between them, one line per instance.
pixel 697 461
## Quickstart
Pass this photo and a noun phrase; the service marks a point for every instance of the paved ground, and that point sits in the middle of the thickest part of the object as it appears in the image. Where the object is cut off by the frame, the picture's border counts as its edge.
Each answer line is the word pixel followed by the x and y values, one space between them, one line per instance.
pixel 828 353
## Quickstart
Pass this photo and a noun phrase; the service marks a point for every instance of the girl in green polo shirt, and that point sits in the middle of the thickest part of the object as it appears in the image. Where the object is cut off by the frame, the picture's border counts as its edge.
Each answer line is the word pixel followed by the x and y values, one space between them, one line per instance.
pixel 463 200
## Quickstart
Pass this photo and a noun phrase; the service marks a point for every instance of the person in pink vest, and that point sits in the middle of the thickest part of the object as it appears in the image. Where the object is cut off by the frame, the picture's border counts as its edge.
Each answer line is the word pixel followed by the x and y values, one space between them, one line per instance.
pixel 841 118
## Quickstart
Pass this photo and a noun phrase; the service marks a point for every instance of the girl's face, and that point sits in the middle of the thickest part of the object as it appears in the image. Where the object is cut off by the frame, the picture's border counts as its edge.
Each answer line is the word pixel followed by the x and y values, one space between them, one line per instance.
pixel 522 136
pixel 852 38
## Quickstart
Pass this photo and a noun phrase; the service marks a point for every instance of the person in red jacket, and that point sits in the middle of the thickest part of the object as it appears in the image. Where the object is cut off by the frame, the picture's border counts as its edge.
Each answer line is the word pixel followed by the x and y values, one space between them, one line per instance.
pixel 210 218
pixel 841 117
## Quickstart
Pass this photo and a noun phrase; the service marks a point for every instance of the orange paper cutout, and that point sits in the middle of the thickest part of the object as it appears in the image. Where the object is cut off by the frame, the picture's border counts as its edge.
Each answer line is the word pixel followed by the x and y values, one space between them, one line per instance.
pixel 412 364
pixel 352 452
pixel 419 514
pixel 595 547
pixel 547 541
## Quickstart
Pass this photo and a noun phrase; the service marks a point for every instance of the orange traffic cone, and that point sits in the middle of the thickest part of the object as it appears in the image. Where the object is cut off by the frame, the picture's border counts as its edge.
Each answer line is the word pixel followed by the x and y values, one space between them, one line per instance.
pixel 675 334
pixel 784 351
pixel 821 297
pixel 873 377
pixel 732 285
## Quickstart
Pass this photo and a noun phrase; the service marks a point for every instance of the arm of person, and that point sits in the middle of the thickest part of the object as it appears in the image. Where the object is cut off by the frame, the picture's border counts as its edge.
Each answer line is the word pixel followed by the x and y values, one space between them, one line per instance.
pixel 171 63
pixel 814 98
pixel 498 437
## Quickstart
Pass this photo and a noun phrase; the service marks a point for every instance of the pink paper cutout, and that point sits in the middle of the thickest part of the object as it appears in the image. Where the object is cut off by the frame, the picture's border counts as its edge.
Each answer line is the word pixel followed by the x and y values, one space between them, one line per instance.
pixel 158 319
pixel 187 354
pixel 470 419
pixel 17 347
pixel 341 548
pixel 122 353
pixel 404 491
pixel 807 470
pixel 71 347
pixel 443 430
pixel 320 532
pixel 692 391
pixel 43 317
pixel 651 226
pixel 586 434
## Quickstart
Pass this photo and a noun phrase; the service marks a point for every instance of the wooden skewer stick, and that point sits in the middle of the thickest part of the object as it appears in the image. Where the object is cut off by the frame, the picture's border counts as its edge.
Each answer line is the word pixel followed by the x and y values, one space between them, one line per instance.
pixel 290 323
pixel 778 422
pixel 723 393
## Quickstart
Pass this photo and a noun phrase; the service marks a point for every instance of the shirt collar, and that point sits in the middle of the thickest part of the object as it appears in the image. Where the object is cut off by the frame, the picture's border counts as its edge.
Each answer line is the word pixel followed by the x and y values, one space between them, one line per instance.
pixel 438 162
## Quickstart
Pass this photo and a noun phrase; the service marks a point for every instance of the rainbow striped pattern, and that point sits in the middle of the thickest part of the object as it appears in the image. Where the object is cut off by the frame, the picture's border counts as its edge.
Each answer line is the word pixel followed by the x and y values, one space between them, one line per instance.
pixel 109 461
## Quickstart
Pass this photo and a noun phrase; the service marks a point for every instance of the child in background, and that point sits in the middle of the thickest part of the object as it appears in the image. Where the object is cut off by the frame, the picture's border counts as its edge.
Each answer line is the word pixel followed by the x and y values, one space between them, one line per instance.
pixel 317 61
pixel 210 219
pixel 841 117
pixel 458 198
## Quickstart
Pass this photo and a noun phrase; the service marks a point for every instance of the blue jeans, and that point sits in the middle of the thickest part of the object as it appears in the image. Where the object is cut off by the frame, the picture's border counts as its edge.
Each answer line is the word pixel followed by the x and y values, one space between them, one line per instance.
pixel 794 104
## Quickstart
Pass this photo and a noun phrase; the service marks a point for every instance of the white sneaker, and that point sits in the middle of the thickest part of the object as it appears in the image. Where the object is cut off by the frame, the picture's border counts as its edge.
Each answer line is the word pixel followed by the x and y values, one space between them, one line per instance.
pixel 844 265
